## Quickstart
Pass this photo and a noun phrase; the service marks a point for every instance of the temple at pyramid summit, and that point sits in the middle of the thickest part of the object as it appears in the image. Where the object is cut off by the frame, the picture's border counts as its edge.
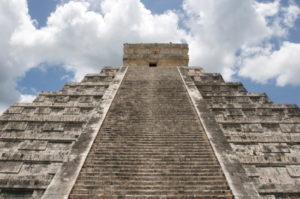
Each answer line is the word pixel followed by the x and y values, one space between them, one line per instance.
pixel 153 128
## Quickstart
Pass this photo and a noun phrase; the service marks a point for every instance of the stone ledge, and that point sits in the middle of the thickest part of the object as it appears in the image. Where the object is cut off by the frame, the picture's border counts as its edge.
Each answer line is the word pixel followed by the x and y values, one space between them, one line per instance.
pixel 279 188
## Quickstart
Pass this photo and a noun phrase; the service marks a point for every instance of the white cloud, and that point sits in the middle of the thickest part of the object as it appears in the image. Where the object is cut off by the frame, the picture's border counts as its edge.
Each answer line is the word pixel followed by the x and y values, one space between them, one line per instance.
pixel 76 36
pixel 219 28
pixel 225 32
pixel 84 35
pixel 83 40
pixel 264 62
pixel 267 9
pixel 280 18
pixel 291 13
pixel 283 65
pixel 27 98
pixel 13 17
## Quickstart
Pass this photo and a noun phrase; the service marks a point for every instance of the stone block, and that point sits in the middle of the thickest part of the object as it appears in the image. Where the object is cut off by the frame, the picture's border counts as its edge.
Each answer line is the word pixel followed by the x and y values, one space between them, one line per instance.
pixel 43 110
pixel 251 170
pixel 85 99
pixel 28 111
pixel 33 145
pixel 279 189
pixel 17 126
pixel 72 111
pixel 275 148
pixel 61 99
pixel 252 127
pixel 14 110
pixel 232 127
pixel 290 128
pixel 53 126
pixel 34 157
pixel 293 170
pixel 2 125
pixel 271 127
pixel 25 182
pixel 10 166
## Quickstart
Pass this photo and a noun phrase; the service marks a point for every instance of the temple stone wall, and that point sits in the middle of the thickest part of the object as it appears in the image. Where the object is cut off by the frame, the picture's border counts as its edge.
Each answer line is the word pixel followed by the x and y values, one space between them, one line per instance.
pixel 265 137
pixel 160 54
pixel 36 138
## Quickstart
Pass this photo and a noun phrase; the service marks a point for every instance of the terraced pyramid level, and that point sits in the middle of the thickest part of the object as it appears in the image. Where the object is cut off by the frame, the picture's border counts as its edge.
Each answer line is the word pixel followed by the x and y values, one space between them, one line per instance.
pixel 153 128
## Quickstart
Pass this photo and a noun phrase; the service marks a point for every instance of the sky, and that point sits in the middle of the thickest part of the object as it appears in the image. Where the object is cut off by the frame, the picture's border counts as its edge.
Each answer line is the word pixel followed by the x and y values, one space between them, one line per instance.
pixel 46 43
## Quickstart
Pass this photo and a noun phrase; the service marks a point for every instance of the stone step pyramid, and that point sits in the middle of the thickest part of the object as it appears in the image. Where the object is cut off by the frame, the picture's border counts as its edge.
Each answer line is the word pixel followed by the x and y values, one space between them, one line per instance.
pixel 154 128
pixel 151 144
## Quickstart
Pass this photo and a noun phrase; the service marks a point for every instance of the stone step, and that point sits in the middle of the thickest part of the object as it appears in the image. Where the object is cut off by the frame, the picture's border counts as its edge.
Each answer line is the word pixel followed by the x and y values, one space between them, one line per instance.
pixel 157 142
pixel 157 182
pixel 187 166
pixel 155 192
pixel 136 137
pixel 137 172
pixel 104 150
pixel 141 174
pixel 87 188
pixel 173 196
pixel 148 141
pixel 152 155
pixel 148 158
pixel 150 178
pixel 147 170
pixel 139 134
pixel 161 146
pixel 143 164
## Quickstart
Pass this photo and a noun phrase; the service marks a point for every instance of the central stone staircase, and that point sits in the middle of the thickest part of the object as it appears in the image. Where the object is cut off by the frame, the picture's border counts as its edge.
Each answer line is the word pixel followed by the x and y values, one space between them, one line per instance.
pixel 151 144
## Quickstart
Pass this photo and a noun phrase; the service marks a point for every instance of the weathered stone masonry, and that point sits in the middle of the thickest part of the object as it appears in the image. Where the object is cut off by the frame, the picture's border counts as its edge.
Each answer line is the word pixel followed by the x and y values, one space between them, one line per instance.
pixel 38 138
pixel 151 144
pixel 263 137
pixel 153 128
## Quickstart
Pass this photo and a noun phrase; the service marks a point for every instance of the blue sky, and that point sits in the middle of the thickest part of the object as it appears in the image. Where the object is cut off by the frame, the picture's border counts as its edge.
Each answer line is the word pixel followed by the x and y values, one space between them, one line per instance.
pixel 255 42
